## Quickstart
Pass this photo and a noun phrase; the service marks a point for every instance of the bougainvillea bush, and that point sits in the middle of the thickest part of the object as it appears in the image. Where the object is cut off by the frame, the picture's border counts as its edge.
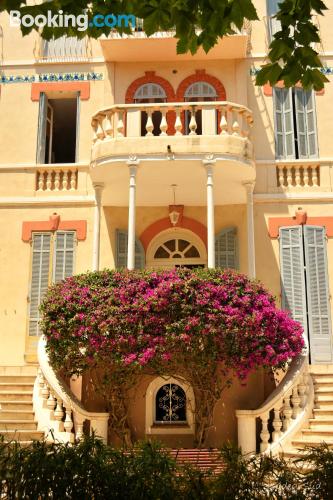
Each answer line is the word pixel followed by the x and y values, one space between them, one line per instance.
pixel 200 325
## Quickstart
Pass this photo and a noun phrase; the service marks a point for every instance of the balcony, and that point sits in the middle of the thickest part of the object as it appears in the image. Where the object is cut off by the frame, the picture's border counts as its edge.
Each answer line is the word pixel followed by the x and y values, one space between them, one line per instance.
pixel 171 141
pixel 162 46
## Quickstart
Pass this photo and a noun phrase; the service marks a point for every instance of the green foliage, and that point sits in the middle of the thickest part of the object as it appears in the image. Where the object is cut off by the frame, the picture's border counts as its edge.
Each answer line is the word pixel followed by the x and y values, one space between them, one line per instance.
pixel 200 23
pixel 89 470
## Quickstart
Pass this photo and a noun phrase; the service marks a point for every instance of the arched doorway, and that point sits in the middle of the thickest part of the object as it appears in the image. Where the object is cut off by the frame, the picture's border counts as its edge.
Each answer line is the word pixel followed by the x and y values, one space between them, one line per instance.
pixel 150 93
pixel 176 248
pixel 198 92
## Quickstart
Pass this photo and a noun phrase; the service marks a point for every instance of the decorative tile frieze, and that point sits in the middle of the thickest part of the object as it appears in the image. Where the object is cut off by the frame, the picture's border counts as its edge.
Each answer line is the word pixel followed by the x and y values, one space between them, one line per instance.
pixel 51 77
pixel 327 70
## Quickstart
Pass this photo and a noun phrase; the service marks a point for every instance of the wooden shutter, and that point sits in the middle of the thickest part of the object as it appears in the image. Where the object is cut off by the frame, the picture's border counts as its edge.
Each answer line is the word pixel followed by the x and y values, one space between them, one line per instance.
pixel 319 316
pixel 273 24
pixel 41 139
pixel 284 124
pixel 64 253
pixel 41 247
pixel 121 251
pixel 292 273
pixel 226 249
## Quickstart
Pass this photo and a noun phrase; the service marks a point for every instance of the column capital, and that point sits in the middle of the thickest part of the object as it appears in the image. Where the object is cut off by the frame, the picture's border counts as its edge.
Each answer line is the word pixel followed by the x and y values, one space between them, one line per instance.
pixel 209 160
pixel 133 161
pixel 98 186
pixel 249 186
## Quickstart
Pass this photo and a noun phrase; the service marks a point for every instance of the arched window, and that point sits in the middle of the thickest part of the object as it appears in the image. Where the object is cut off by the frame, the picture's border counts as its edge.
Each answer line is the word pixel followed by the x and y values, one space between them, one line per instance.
pixel 150 93
pixel 198 92
pixel 170 404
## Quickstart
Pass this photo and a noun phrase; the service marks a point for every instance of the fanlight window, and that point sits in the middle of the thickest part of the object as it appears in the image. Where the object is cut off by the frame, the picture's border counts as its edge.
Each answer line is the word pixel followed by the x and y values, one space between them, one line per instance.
pixel 170 404
pixel 200 90
pixel 177 249
pixel 150 91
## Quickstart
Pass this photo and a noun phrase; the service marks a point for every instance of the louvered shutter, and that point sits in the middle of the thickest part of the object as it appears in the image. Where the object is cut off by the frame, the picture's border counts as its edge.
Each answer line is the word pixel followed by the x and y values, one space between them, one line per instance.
pixel 319 316
pixel 284 124
pixel 121 251
pixel 41 139
pixel 311 123
pixel 292 273
pixel 226 249
pixel 273 24
pixel 41 246
pixel 64 254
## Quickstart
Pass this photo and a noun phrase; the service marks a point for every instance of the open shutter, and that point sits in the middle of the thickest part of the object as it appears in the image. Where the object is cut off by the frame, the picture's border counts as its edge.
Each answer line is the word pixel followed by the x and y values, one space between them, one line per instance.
pixel 320 335
pixel 41 245
pixel 64 253
pixel 41 139
pixel 284 124
pixel 273 24
pixel 311 123
pixel 292 273
pixel 226 249
pixel 301 123
pixel 121 251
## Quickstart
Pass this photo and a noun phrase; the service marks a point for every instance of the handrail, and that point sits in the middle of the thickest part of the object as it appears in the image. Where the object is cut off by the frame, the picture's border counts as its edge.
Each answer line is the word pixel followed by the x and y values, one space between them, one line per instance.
pixel 282 414
pixel 57 408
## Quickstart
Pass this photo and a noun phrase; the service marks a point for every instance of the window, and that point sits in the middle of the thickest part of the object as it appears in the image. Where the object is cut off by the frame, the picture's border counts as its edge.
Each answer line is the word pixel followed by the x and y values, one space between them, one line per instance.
pixel 121 251
pixel 198 92
pixel 170 404
pixel 177 249
pixel 58 129
pixel 273 24
pixel 304 283
pixel 64 48
pixel 150 93
pixel 226 249
pixel 295 124
pixel 52 261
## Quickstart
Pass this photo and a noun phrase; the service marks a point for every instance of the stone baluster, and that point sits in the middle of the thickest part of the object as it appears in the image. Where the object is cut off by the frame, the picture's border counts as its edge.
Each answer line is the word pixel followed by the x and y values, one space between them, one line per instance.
pixel 164 123
pixel 59 411
pixel 281 176
pixel 100 132
pixel 223 123
pixel 68 424
pixel 235 128
pixel 295 401
pixel 57 180
pixel 66 180
pixel 94 127
pixel 193 124
pixel 302 391
pixel 314 176
pixel 109 125
pixel 264 435
pixel 149 124
pixel 45 393
pixel 51 402
pixel 297 177
pixel 277 425
pixel 306 176
pixel 73 180
pixel 41 380
pixel 40 180
pixel 120 125
pixel 178 123
pixel 79 431
pixel 289 177
pixel 287 412
pixel 49 180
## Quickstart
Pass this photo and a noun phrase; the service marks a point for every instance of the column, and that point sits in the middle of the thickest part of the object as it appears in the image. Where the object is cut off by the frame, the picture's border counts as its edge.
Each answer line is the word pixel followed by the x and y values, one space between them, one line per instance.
pixel 209 163
pixel 251 258
pixel 133 167
pixel 97 226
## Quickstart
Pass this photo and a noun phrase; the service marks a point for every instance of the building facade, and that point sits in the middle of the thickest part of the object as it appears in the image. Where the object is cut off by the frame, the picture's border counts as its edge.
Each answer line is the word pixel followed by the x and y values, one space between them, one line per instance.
pixel 118 153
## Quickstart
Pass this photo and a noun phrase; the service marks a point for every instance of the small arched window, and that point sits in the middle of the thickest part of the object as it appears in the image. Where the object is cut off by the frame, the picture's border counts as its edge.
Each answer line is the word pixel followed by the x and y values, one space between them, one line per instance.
pixel 200 91
pixel 170 404
pixel 150 92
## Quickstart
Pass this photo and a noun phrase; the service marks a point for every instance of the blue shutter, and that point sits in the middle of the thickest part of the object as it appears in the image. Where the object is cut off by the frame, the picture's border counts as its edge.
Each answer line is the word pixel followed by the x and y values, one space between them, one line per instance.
pixel 319 316
pixel 273 24
pixel 226 249
pixel 284 124
pixel 292 273
pixel 121 251
pixel 64 253
pixel 41 247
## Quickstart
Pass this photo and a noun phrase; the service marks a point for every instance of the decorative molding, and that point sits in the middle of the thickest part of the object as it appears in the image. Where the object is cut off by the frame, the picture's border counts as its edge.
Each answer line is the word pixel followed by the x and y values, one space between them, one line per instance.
pixel 52 77
pixel 326 70
pixel 82 87
pixel 149 77
pixel 54 224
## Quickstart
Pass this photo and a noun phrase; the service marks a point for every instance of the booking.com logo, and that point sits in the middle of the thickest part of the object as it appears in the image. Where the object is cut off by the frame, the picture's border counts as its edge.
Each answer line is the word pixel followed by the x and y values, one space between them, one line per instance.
pixel 61 20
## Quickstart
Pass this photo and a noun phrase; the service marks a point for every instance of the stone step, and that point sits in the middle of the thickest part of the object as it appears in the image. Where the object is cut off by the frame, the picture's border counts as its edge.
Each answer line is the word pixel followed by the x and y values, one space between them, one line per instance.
pixel 323 434
pixel 322 413
pixel 22 435
pixel 18 425
pixel 18 371
pixel 16 415
pixel 12 379
pixel 15 395
pixel 321 422
pixel 324 396
pixel 314 441
pixel 16 386
pixel 6 405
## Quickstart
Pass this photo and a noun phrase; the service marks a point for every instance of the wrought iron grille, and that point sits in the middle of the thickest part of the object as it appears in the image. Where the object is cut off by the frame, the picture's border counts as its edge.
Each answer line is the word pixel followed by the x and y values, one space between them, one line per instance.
pixel 170 404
